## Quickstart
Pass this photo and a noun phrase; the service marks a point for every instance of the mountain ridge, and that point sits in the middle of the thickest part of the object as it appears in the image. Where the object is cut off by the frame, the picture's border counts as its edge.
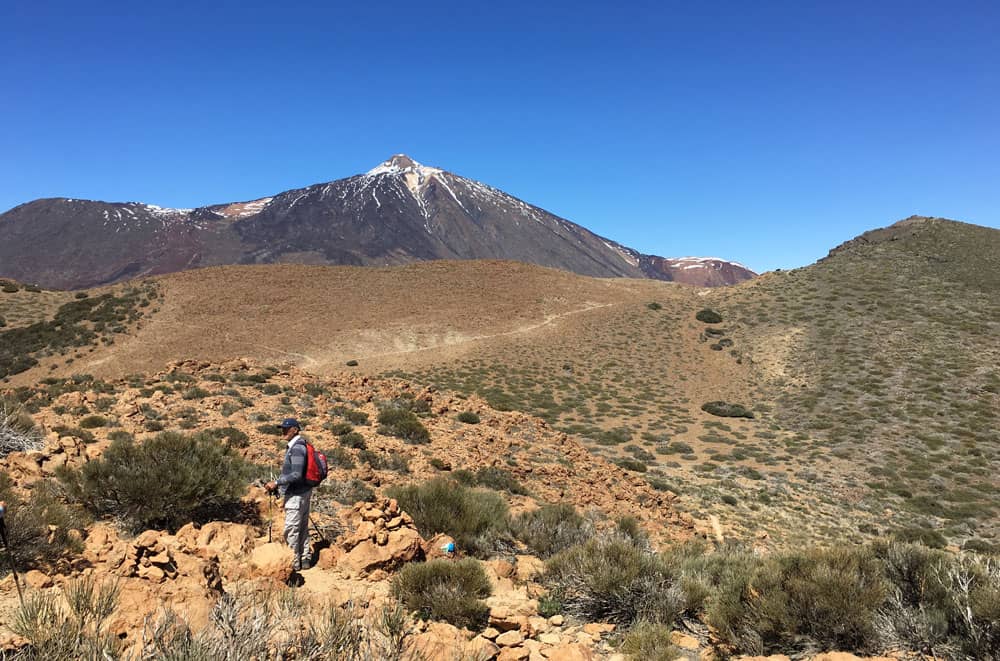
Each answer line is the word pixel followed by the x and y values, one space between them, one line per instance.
pixel 398 212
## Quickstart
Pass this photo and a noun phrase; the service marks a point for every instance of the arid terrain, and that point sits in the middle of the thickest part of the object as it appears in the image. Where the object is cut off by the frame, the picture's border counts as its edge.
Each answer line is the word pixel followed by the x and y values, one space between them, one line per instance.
pixel 845 403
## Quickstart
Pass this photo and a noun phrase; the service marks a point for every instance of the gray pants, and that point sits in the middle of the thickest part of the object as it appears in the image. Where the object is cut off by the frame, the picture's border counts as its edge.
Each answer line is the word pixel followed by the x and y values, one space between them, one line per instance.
pixel 297 528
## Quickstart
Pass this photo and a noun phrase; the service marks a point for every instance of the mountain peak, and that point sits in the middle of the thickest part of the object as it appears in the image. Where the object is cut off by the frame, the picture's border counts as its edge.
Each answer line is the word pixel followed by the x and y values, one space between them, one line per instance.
pixel 400 163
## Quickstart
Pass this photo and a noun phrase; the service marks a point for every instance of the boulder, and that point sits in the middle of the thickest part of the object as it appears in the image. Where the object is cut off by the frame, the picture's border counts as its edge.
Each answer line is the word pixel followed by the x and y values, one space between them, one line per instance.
pixel 272 561
pixel 571 652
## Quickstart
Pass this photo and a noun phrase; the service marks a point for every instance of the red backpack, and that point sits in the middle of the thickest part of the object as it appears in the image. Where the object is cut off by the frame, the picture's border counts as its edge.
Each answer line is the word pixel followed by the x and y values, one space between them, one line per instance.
pixel 316 467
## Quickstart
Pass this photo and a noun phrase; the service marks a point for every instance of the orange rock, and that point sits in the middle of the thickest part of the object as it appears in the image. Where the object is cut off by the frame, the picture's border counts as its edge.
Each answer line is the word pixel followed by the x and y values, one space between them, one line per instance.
pixel 272 561
pixel 571 652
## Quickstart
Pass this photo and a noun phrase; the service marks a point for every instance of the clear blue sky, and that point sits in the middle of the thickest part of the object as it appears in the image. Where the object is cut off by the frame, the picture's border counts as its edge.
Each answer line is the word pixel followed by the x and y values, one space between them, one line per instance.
pixel 764 132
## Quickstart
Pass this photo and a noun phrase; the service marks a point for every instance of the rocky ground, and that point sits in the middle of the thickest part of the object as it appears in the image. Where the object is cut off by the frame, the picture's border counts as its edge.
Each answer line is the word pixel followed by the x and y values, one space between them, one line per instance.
pixel 359 547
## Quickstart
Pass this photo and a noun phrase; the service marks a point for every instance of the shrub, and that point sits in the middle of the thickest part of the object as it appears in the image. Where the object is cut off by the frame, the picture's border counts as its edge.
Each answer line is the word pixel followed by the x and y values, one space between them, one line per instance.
pixel 166 481
pixel 17 430
pixel 650 641
pixel 446 590
pixel 403 423
pixel 93 421
pixel 351 363
pixel 631 464
pixel 195 393
pixel 829 596
pixel 76 631
pixel 356 417
pixel 468 417
pixel 339 457
pixel 726 410
pixel 339 428
pixel 499 479
pixel 654 306
pixel 29 520
pixel 353 440
pixel 921 535
pixel 439 464
pixel 120 435
pixel 231 435
pixel 551 528
pixel 75 432
pixel 476 519
pixel 708 316
pixel 610 579
pixel 348 492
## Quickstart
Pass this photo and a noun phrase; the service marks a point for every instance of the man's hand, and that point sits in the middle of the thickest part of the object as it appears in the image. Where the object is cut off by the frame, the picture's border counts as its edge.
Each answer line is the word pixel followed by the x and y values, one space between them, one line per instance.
pixel 270 486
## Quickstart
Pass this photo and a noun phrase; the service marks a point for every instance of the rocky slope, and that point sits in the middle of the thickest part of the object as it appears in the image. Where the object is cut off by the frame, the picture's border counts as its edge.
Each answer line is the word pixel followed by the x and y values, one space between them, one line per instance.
pixel 398 212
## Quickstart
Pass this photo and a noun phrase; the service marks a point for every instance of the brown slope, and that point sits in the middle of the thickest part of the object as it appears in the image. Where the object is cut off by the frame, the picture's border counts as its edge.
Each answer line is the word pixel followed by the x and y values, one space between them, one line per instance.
pixel 319 317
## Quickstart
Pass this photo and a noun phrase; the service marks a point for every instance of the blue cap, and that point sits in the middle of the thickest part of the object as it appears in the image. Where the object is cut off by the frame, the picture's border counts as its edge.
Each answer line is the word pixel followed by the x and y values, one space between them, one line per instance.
pixel 288 423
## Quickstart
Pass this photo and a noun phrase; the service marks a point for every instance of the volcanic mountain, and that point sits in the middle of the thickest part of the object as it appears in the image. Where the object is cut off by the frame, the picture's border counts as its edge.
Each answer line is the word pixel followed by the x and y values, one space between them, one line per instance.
pixel 396 213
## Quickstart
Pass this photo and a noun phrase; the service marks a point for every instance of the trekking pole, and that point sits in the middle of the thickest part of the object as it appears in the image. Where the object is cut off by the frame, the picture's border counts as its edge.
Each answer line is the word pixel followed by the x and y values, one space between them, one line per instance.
pixel 10 554
pixel 270 516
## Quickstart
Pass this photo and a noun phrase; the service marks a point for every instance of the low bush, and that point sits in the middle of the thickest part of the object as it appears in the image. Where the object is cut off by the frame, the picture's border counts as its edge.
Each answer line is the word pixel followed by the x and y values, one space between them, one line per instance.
pixel 93 422
pixel 654 306
pixel 18 432
pixel 476 519
pixel 708 316
pixel 195 393
pixel 165 481
pixel 726 410
pixel 921 535
pixel 650 641
pixel 353 440
pixel 339 428
pixel 551 529
pixel 339 457
pixel 631 464
pixel 29 519
pixel 446 590
pixel 357 417
pixel 233 437
pixel 468 417
pixel 76 630
pixel 828 596
pixel 499 479
pixel 610 579
pixel 403 423
pixel 75 432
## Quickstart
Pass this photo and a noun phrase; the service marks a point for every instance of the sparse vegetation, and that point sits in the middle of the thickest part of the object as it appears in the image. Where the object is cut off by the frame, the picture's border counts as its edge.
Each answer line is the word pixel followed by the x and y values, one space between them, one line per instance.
pixel 446 590
pixel 165 481
pixel 475 518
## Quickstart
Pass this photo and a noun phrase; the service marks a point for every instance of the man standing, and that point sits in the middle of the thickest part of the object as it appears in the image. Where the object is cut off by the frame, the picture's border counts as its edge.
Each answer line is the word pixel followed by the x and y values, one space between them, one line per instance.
pixel 292 485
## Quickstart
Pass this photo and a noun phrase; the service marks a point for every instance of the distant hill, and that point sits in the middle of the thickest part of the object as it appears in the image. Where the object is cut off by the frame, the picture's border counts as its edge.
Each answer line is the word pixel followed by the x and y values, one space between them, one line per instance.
pixel 397 213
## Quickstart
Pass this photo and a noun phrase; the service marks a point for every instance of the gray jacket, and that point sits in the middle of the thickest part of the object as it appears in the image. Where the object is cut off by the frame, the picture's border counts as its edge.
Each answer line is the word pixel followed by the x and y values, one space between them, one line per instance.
pixel 292 480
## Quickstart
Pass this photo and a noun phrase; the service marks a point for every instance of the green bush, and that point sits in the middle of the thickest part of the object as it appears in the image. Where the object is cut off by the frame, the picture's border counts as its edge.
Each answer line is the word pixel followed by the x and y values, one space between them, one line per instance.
pixel 654 306
pixel 75 432
pixel 921 535
pixel 476 519
pixel 403 423
pixel 628 463
pixel 353 440
pixel 650 641
pixel 708 316
pixel 339 457
pixel 356 417
pixel 339 428
pixel 829 596
pixel 468 417
pixel 610 579
pixel 93 421
pixel 231 435
pixel 439 464
pixel 120 435
pixel 552 528
pixel 446 590
pixel 726 410
pixel 165 481
pixel 28 524
pixel 499 479
pixel 195 392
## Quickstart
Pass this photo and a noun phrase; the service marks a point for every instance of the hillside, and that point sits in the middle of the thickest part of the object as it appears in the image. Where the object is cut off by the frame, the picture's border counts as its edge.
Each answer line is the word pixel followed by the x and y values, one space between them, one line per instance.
pixel 871 374
pixel 397 213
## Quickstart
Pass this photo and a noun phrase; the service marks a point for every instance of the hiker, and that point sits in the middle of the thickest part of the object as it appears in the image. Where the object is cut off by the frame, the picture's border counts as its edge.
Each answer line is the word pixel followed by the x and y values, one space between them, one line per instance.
pixel 297 493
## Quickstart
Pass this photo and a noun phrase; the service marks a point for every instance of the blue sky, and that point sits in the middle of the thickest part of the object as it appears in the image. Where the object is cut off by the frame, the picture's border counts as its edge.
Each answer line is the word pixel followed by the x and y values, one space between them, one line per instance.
pixel 763 132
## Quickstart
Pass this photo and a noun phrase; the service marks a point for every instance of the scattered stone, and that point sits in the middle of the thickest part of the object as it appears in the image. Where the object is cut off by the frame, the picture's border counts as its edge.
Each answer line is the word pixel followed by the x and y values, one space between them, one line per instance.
pixel 510 638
